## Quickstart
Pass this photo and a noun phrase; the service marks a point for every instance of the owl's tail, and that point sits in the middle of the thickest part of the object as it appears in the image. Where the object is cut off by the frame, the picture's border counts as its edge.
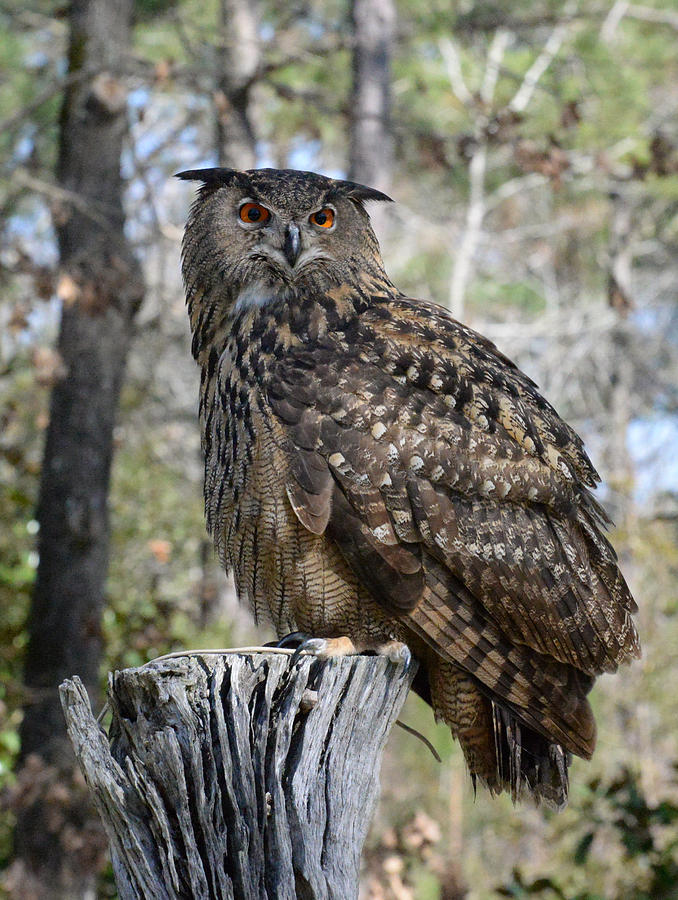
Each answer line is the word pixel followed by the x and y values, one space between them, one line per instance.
pixel 501 752
pixel 527 764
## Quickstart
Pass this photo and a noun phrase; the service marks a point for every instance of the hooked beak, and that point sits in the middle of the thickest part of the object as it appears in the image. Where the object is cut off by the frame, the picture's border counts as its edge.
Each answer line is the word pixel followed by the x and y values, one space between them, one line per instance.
pixel 292 245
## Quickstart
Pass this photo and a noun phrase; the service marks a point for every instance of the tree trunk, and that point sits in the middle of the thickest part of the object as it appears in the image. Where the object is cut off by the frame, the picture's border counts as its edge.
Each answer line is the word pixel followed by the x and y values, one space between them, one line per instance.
pixel 371 140
pixel 237 776
pixel 238 61
pixel 102 286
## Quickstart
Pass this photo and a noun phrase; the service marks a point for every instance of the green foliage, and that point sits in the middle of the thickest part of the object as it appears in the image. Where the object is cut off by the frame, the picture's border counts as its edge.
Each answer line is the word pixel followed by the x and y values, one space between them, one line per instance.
pixel 145 10
pixel 160 35
pixel 27 81
pixel 155 577
pixel 499 299
pixel 20 444
pixel 646 832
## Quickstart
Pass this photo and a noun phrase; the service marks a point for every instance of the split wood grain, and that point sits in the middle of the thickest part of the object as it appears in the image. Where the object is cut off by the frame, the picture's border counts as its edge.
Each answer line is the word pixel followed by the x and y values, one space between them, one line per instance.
pixel 236 775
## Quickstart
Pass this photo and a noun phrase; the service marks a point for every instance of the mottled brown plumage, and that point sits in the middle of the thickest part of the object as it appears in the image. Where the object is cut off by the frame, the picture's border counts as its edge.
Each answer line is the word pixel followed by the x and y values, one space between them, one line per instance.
pixel 375 469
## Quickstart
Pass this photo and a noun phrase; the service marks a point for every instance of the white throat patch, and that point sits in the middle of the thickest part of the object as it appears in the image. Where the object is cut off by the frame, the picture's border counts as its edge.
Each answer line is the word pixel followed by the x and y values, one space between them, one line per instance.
pixel 255 296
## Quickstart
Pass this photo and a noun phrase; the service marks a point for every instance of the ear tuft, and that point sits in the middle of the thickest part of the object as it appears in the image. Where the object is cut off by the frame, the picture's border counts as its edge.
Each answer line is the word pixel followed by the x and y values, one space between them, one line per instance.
pixel 361 193
pixel 216 177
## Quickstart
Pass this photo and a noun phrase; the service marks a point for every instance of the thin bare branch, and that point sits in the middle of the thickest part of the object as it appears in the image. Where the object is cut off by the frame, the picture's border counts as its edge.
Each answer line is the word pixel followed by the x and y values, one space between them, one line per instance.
pixel 657 16
pixel 513 186
pixel 477 205
pixel 53 89
pixel 612 20
pixel 500 42
pixel 543 61
pixel 333 44
pixel 450 56
pixel 96 213
pixel 475 211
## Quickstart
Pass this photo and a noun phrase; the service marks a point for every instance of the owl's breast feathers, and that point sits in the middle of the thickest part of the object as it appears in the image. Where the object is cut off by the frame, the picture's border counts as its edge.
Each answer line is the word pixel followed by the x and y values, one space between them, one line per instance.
pixel 453 491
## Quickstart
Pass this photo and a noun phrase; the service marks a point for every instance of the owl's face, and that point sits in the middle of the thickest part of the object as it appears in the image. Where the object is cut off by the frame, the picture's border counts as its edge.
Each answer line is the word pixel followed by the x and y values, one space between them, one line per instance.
pixel 277 230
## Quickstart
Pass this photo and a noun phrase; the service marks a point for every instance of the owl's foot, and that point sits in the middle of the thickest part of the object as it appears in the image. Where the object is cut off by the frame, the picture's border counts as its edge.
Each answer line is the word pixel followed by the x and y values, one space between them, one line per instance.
pixel 328 648
pixel 397 652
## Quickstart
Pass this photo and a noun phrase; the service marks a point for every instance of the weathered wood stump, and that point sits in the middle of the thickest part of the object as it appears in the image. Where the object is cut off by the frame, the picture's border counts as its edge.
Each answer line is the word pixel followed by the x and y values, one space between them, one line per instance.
pixel 236 775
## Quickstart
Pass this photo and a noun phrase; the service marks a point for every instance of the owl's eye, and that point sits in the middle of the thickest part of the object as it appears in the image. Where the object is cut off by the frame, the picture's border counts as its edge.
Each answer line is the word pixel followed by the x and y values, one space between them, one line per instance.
pixel 324 218
pixel 254 213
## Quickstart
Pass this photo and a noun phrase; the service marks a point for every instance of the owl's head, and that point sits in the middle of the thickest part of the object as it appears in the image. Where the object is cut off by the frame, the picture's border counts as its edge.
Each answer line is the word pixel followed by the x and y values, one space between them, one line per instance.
pixel 280 227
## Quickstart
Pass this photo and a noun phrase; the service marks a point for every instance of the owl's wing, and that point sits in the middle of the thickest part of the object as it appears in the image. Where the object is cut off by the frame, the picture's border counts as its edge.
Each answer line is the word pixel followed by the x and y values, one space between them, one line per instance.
pixel 411 438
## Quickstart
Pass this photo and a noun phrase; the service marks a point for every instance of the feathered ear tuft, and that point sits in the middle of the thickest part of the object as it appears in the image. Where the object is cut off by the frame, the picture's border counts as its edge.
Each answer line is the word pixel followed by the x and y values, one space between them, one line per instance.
pixel 361 193
pixel 212 177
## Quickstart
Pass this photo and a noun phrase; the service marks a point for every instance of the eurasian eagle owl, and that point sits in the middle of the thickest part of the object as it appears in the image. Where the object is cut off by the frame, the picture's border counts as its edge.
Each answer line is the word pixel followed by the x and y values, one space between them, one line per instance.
pixel 379 475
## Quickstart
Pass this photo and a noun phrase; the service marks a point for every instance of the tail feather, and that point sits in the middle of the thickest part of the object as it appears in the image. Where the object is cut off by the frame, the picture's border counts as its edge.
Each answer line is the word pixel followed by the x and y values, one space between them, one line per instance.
pixel 527 763
pixel 502 752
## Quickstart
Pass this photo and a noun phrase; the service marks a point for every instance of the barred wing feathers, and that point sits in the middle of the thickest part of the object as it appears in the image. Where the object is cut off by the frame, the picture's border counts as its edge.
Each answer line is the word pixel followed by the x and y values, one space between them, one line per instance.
pixel 459 498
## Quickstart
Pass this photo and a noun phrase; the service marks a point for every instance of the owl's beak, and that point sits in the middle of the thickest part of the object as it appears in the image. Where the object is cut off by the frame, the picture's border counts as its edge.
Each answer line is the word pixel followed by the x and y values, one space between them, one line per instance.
pixel 292 245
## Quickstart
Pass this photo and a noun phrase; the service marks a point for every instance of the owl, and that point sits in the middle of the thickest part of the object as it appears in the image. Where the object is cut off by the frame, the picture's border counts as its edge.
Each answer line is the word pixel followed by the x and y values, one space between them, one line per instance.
pixel 379 477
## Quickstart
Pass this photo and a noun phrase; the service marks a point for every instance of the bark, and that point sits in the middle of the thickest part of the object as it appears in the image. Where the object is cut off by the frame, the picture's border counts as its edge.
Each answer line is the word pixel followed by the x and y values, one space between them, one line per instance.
pixel 238 63
pixel 371 139
pixel 237 776
pixel 104 291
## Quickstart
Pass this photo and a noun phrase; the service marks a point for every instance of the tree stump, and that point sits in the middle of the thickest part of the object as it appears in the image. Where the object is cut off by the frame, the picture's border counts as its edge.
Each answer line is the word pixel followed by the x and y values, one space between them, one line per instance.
pixel 237 775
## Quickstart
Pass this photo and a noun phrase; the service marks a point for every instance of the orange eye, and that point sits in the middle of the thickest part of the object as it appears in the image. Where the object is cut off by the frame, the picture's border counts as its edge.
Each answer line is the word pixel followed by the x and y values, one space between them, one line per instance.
pixel 324 218
pixel 254 213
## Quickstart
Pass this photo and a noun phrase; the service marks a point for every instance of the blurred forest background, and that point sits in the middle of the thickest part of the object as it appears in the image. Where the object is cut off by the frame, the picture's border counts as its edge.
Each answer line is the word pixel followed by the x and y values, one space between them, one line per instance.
pixel 532 149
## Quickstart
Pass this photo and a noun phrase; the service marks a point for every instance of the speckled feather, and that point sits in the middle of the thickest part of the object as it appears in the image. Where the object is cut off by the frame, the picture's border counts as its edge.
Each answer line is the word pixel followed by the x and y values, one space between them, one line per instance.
pixel 374 468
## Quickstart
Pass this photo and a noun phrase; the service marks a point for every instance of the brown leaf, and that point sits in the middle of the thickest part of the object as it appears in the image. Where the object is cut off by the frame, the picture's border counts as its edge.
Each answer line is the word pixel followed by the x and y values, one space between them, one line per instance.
pixel 550 162
pixel 161 550
pixel 49 366
pixel 108 94
pixel 570 114
pixel 664 155
pixel 162 71
pixel 67 289
pixel 617 297
pixel 18 320
pixel 43 282
pixel 221 103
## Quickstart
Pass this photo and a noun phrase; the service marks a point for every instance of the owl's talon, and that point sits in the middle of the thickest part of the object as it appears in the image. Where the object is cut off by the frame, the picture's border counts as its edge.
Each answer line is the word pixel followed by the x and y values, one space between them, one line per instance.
pixel 407 660
pixel 398 653
pixel 294 638
pixel 311 646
